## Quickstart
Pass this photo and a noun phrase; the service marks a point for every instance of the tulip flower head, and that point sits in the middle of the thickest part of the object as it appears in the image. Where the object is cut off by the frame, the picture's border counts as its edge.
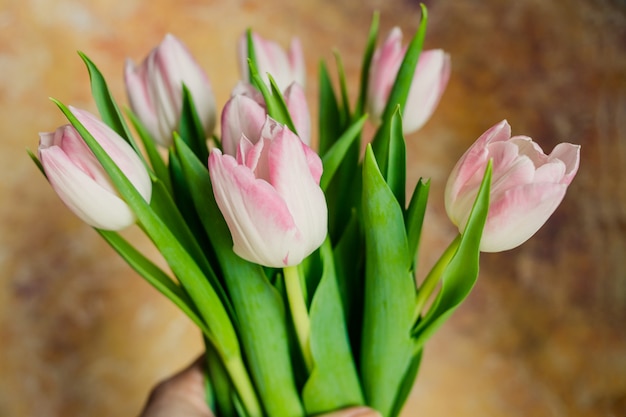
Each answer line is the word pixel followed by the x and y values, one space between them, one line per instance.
pixel 81 181
pixel 155 89
pixel 428 84
pixel 270 197
pixel 284 67
pixel 527 185
pixel 245 113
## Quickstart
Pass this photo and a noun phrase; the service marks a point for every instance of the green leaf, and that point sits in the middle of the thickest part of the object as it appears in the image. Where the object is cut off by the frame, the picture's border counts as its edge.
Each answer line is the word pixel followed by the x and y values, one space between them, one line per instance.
pixel 274 100
pixel 251 54
pixel 370 48
pixel 154 275
pixel 221 387
pixel 156 161
pixel 414 215
pixel 37 162
pixel 278 106
pixel 109 111
pixel 400 90
pixel 188 220
pixel 402 85
pixel 343 87
pixel 190 127
pixel 209 305
pixel 258 306
pixel 387 348
pixel 330 125
pixel 333 158
pixel 349 268
pixel 461 273
pixel 179 225
pixel 396 160
pixel 334 382
pixel 407 383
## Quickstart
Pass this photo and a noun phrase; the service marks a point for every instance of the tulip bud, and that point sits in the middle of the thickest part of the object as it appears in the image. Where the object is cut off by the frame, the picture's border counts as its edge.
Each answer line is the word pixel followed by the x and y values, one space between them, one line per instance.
pixel 81 181
pixel 285 68
pixel 155 89
pixel 270 197
pixel 526 188
pixel 428 84
pixel 245 114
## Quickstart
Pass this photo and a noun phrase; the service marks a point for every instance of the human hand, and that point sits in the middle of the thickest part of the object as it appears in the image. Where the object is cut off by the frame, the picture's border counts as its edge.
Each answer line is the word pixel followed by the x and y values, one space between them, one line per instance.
pixel 182 395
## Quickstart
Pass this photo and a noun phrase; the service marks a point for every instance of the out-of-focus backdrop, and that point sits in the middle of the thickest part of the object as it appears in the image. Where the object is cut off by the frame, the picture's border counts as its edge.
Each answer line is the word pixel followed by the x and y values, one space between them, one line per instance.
pixel 544 332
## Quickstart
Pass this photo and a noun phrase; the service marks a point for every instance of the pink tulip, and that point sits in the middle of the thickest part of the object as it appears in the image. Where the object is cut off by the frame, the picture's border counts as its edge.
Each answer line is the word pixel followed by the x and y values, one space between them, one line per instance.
pixel 527 185
pixel 155 89
pixel 245 113
pixel 79 179
pixel 270 197
pixel 285 68
pixel 429 81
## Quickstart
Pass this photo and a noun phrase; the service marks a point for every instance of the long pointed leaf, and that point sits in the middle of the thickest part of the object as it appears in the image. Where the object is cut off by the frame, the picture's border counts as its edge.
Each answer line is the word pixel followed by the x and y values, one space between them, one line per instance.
pixel 156 160
pixel 387 348
pixel 109 111
pixel 336 154
pixel 329 116
pixel 414 215
pixel 460 275
pixel 402 85
pixel 370 48
pixel 191 276
pixel 396 160
pixel 334 382
pixel 190 127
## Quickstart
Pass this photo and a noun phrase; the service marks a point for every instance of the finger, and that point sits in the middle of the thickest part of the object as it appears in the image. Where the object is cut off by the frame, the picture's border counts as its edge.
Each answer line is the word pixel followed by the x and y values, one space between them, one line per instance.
pixel 183 394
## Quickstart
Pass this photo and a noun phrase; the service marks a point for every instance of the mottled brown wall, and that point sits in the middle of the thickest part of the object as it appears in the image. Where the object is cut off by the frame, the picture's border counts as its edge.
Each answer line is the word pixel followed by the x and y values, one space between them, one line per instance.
pixel 542 335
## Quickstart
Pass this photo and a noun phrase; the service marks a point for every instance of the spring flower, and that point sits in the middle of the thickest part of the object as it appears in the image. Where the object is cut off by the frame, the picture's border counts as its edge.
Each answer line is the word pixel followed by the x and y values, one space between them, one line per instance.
pixel 428 84
pixel 270 197
pixel 245 113
pixel 79 179
pixel 285 67
pixel 155 89
pixel 527 185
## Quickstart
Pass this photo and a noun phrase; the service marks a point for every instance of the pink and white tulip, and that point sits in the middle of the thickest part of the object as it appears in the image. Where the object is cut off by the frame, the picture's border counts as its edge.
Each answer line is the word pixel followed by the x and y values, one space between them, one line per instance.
pixel 527 185
pixel 270 197
pixel 245 114
pixel 284 67
pixel 428 84
pixel 81 181
pixel 155 89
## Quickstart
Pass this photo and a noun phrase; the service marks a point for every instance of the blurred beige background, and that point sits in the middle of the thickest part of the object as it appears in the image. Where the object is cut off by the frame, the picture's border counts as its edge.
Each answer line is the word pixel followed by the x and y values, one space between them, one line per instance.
pixel 543 334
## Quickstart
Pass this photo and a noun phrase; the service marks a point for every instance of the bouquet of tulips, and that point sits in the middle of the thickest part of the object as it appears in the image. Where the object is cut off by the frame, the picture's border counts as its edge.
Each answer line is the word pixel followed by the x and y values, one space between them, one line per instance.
pixel 297 266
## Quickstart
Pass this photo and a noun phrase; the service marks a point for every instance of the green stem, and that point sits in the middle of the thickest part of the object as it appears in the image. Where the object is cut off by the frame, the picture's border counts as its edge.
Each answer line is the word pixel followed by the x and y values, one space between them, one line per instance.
pixel 299 313
pixel 433 277
pixel 243 386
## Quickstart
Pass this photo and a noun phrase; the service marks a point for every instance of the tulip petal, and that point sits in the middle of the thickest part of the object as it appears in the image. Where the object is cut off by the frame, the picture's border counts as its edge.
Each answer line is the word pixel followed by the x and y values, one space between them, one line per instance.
pixel 88 199
pixel 385 65
pixel 261 225
pixel 292 179
pixel 570 155
pixel 241 115
pixel 295 100
pixel 431 78
pixel 119 150
pixel 296 61
pixel 527 185
pixel 518 214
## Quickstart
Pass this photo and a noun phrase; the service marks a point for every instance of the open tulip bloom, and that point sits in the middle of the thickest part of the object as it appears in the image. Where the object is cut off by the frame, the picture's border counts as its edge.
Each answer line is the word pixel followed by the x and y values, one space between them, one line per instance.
pixel 297 265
